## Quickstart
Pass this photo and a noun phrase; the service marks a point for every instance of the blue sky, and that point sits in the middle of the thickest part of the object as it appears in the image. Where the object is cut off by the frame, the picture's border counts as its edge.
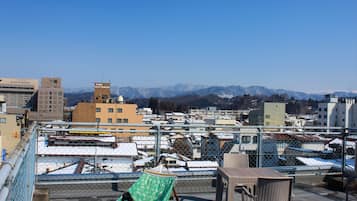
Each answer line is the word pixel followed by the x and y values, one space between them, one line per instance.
pixel 305 45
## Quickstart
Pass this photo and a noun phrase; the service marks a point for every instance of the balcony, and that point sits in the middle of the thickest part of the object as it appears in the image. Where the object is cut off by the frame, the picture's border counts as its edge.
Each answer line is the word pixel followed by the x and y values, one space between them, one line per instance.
pixel 319 159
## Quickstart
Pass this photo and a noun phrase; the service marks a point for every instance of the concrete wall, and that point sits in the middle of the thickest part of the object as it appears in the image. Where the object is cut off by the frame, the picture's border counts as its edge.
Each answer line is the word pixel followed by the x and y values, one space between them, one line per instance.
pixel 84 112
pixel 10 132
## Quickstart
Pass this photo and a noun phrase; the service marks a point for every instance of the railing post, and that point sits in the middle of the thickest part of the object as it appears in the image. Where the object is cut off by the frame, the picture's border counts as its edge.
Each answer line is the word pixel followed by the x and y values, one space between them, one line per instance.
pixel 157 143
pixel 259 147
pixel 343 153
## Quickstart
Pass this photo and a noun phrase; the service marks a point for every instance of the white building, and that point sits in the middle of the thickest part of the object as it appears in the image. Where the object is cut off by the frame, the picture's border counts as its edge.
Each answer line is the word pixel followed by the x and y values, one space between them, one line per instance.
pixel 339 113
pixel 213 113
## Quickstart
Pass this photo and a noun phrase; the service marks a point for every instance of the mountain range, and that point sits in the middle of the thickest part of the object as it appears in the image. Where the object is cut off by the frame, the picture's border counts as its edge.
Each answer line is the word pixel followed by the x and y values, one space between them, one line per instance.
pixel 201 90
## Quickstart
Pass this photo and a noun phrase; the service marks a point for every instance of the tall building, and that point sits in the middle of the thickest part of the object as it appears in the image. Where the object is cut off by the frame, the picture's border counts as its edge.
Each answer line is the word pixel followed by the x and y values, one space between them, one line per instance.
pixel 50 101
pixel 101 92
pixel 105 109
pixel 10 131
pixel 338 112
pixel 273 114
pixel 17 93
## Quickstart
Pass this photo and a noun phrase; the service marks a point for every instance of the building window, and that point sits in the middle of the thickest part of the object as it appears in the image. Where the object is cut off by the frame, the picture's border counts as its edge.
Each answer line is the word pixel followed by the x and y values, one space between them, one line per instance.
pixel 119 110
pixel 255 139
pixel 325 109
pixel 245 139
pixel 97 120
pixel 97 109
pixel 125 120
pixel 110 110
pixel 319 116
pixel 132 130
pixel 110 120
pixel 325 116
pixel 320 109
pixel 119 121
pixel 3 120
pixel 267 116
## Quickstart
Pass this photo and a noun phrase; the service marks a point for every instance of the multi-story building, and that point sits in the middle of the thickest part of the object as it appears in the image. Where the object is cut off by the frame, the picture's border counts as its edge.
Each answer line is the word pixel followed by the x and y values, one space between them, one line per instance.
pixel 273 114
pixel 104 109
pixel 101 92
pixel 338 112
pixel 50 101
pixel 17 93
pixel 10 131
pixel 214 113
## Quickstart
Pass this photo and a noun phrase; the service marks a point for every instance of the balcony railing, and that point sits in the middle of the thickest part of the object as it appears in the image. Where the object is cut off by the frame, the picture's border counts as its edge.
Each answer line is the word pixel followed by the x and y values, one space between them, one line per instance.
pixel 296 151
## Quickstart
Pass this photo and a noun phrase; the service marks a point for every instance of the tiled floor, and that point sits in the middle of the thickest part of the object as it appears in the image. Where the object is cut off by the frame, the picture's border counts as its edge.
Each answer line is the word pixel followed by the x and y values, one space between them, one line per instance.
pixel 104 192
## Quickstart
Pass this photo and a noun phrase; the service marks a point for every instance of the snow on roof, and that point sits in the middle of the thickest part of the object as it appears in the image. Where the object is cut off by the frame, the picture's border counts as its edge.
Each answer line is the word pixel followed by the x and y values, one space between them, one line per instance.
pixel 202 164
pixel 314 161
pixel 328 162
pixel 123 149
pixel 339 141
pixel 66 170
pixel 141 162
pixel 179 169
pixel 100 138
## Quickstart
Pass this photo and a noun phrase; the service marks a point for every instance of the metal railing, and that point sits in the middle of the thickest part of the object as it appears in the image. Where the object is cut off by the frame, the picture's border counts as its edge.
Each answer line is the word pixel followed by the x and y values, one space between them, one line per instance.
pixel 282 148
pixel 17 175
pixel 267 146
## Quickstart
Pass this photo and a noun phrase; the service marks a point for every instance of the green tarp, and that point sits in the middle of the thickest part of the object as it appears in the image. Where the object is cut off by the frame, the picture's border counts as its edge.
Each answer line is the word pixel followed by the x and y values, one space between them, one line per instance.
pixel 152 187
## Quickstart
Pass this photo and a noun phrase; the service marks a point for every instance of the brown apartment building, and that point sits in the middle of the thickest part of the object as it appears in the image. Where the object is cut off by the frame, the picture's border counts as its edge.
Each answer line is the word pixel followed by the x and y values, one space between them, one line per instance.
pixel 49 101
pixel 104 109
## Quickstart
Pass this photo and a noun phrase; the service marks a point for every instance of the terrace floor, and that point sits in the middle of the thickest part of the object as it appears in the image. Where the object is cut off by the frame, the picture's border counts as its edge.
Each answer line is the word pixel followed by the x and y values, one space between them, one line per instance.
pixel 102 192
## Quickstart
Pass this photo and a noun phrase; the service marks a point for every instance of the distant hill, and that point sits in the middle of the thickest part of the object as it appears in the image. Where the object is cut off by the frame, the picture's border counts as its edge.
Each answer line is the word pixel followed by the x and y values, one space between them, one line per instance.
pixel 75 95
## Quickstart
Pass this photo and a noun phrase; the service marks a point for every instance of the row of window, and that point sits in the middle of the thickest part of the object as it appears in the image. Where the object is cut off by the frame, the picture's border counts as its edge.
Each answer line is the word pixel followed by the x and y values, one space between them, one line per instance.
pixel 247 139
pixel 325 109
pixel 110 120
pixel 111 110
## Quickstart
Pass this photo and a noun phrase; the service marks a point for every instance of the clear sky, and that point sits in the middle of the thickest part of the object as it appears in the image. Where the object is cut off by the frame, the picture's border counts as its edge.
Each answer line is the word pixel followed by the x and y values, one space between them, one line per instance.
pixel 305 45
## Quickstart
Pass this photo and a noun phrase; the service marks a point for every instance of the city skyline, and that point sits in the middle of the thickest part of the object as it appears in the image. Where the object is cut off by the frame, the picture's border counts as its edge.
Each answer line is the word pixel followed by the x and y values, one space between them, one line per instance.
pixel 301 46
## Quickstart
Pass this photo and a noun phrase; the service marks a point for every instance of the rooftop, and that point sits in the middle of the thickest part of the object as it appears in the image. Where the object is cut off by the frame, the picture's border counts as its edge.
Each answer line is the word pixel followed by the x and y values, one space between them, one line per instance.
pixel 123 149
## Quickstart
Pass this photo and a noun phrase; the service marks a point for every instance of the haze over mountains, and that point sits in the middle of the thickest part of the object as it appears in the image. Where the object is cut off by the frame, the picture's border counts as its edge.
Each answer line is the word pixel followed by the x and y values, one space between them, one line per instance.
pixel 201 90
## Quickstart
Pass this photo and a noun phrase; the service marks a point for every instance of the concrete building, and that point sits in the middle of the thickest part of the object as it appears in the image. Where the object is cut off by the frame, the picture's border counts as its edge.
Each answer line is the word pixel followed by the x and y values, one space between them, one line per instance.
pixel 50 101
pixel 101 92
pixel 272 114
pixel 338 112
pixel 108 111
pixel 214 113
pixel 10 131
pixel 17 93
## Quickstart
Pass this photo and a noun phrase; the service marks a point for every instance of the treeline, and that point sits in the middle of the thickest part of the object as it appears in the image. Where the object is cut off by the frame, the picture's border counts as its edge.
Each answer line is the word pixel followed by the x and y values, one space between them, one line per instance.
pixel 184 103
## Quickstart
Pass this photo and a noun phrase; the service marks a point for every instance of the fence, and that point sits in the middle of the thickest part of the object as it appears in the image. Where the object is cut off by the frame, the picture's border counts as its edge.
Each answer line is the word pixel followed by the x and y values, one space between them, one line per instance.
pixel 295 151
pixel 288 149
pixel 18 173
